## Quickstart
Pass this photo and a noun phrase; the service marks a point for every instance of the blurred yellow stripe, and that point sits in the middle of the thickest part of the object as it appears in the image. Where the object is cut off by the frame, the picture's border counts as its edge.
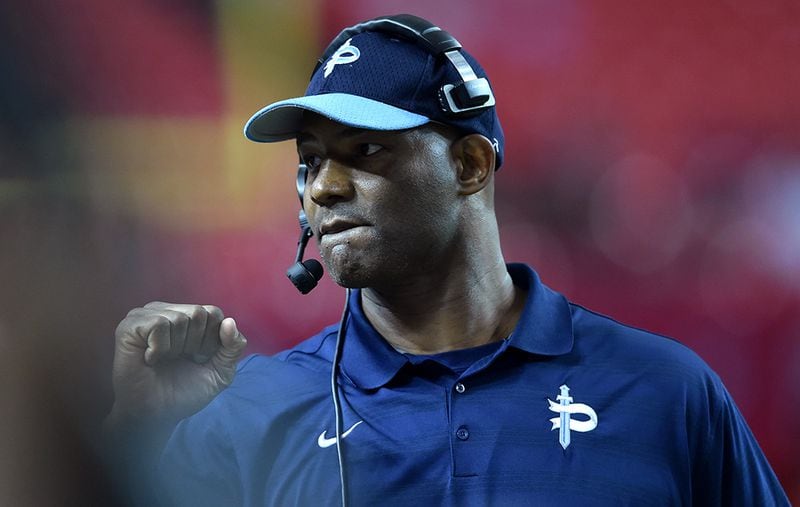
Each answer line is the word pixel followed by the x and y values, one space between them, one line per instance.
pixel 175 172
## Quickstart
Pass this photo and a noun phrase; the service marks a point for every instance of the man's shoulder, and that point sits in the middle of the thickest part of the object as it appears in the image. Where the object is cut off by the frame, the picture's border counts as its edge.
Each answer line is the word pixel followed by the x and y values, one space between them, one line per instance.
pixel 608 344
pixel 305 361
pixel 624 339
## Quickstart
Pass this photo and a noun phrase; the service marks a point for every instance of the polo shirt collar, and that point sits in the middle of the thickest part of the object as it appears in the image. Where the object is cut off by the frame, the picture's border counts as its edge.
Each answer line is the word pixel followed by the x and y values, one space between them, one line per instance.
pixel 544 328
pixel 367 358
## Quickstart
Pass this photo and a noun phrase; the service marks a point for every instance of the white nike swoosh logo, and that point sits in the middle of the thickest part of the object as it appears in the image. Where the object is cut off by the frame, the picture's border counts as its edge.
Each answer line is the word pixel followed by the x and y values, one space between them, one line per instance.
pixel 327 442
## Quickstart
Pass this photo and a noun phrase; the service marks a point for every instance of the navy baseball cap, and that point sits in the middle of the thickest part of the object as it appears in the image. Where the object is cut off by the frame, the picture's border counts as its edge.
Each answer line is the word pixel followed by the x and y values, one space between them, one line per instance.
pixel 377 81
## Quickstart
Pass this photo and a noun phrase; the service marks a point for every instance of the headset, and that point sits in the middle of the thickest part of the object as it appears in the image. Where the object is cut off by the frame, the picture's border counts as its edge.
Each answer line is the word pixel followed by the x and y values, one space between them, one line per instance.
pixel 467 97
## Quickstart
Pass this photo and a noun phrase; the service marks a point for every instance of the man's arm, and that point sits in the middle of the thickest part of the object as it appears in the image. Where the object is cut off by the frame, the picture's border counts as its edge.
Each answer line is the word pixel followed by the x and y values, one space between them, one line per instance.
pixel 170 361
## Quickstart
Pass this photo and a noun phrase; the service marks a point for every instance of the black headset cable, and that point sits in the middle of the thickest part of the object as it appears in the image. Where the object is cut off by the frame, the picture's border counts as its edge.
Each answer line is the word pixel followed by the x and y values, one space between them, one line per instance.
pixel 337 406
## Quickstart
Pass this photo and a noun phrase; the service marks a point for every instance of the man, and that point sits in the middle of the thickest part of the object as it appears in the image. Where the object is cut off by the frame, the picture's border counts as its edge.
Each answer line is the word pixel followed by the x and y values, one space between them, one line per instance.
pixel 462 380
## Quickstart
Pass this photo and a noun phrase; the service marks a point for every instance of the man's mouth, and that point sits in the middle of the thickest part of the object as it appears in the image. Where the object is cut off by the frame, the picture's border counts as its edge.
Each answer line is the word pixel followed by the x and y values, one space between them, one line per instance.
pixel 337 226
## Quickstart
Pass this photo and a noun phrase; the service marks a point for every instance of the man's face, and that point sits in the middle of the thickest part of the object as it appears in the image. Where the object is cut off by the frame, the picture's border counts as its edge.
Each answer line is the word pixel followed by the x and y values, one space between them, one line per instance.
pixel 384 206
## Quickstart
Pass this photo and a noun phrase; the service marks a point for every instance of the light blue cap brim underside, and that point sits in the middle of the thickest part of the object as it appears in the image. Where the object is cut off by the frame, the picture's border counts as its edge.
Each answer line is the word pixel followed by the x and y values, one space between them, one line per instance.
pixel 283 120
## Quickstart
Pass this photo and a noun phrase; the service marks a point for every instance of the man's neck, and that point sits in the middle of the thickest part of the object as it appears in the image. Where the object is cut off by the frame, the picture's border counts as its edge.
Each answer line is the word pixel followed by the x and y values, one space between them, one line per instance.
pixel 458 310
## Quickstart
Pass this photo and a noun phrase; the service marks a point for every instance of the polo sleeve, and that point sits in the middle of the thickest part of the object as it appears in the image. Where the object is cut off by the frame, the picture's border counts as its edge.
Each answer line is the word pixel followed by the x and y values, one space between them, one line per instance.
pixel 730 468
pixel 198 466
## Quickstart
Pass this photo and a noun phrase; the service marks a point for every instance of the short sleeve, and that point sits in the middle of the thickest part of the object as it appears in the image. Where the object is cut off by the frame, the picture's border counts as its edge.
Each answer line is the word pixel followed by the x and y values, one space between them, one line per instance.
pixel 731 469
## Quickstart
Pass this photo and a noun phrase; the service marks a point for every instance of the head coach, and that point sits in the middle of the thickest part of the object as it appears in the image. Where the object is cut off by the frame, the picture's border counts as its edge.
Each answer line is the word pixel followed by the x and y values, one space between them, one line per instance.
pixel 453 378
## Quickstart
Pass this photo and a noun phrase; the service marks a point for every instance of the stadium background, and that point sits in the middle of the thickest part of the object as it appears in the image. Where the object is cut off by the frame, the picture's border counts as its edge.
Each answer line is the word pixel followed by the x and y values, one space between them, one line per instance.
pixel 652 174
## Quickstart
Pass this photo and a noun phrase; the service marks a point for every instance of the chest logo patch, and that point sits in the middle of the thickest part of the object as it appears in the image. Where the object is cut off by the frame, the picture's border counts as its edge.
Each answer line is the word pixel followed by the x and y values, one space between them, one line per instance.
pixel 324 441
pixel 564 423
pixel 347 53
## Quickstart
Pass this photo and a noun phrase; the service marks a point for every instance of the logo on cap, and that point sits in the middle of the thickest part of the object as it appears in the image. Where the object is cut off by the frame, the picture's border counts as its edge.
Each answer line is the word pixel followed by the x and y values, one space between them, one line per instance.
pixel 346 53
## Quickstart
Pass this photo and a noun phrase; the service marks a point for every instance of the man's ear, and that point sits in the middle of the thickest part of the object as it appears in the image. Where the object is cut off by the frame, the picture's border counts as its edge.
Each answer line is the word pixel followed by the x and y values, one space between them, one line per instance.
pixel 475 158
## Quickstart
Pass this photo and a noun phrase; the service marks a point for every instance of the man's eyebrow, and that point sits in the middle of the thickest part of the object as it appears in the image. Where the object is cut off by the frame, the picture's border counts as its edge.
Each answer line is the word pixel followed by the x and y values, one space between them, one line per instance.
pixel 303 137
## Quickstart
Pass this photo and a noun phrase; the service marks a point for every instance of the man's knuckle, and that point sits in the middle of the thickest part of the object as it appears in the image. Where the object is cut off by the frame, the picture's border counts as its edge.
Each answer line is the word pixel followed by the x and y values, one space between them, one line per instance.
pixel 197 313
pixel 123 328
pixel 160 323
pixel 214 311
pixel 181 319
pixel 132 322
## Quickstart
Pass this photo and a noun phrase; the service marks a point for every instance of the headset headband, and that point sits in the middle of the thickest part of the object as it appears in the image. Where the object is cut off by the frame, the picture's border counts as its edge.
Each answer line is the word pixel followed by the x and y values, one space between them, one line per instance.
pixel 469 96
pixel 412 28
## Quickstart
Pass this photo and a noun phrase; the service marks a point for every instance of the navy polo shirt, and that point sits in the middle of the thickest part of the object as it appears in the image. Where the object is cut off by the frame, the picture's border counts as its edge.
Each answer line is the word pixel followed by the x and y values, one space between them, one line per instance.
pixel 572 408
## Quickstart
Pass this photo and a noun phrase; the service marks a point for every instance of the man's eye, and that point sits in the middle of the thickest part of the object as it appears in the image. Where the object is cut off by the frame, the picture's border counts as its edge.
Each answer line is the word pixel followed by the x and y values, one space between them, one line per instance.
pixel 368 149
pixel 312 162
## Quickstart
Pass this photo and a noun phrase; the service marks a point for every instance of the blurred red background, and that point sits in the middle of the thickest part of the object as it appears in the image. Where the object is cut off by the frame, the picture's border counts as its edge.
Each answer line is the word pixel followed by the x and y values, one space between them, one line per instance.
pixel 652 174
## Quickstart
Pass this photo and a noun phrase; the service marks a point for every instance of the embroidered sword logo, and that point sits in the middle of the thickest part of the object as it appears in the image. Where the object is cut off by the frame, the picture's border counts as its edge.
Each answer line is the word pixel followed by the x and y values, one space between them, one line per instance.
pixel 564 423
pixel 347 53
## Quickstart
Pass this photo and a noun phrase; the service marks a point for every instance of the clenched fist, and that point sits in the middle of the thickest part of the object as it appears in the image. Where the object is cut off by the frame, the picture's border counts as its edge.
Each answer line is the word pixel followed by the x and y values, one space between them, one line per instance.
pixel 171 360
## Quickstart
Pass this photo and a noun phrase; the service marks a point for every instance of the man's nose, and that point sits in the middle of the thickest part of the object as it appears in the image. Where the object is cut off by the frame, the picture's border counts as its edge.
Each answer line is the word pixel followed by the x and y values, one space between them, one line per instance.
pixel 332 184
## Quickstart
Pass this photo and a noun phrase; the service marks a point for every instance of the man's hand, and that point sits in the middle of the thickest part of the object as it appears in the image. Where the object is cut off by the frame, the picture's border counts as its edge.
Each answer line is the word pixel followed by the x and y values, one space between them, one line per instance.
pixel 171 360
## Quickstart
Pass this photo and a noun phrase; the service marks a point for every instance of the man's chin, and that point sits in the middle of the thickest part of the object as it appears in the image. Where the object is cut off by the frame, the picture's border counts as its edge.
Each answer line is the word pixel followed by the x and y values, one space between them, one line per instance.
pixel 348 273
pixel 349 281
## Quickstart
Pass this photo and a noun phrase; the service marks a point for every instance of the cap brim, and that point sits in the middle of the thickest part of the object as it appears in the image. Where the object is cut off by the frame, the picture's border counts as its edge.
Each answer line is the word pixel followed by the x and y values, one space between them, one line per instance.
pixel 283 120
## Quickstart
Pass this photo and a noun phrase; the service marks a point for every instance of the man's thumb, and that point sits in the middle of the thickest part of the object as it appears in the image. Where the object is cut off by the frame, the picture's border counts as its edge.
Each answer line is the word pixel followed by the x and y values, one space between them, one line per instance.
pixel 233 342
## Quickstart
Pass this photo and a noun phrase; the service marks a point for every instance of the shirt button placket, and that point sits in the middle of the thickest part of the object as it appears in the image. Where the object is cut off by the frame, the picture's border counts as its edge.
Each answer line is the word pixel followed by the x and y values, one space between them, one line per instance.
pixel 462 433
pixel 463 448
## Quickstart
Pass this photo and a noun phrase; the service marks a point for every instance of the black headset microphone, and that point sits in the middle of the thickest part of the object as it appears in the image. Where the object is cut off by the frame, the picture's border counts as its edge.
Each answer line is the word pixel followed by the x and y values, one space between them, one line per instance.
pixel 471 95
pixel 304 274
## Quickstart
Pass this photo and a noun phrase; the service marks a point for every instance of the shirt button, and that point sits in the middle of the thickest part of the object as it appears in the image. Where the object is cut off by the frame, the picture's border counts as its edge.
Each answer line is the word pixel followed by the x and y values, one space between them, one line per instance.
pixel 462 433
pixel 460 388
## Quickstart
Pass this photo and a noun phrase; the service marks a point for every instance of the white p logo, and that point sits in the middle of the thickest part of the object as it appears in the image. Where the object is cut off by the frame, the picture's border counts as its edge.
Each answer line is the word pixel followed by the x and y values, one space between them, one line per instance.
pixel 345 54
